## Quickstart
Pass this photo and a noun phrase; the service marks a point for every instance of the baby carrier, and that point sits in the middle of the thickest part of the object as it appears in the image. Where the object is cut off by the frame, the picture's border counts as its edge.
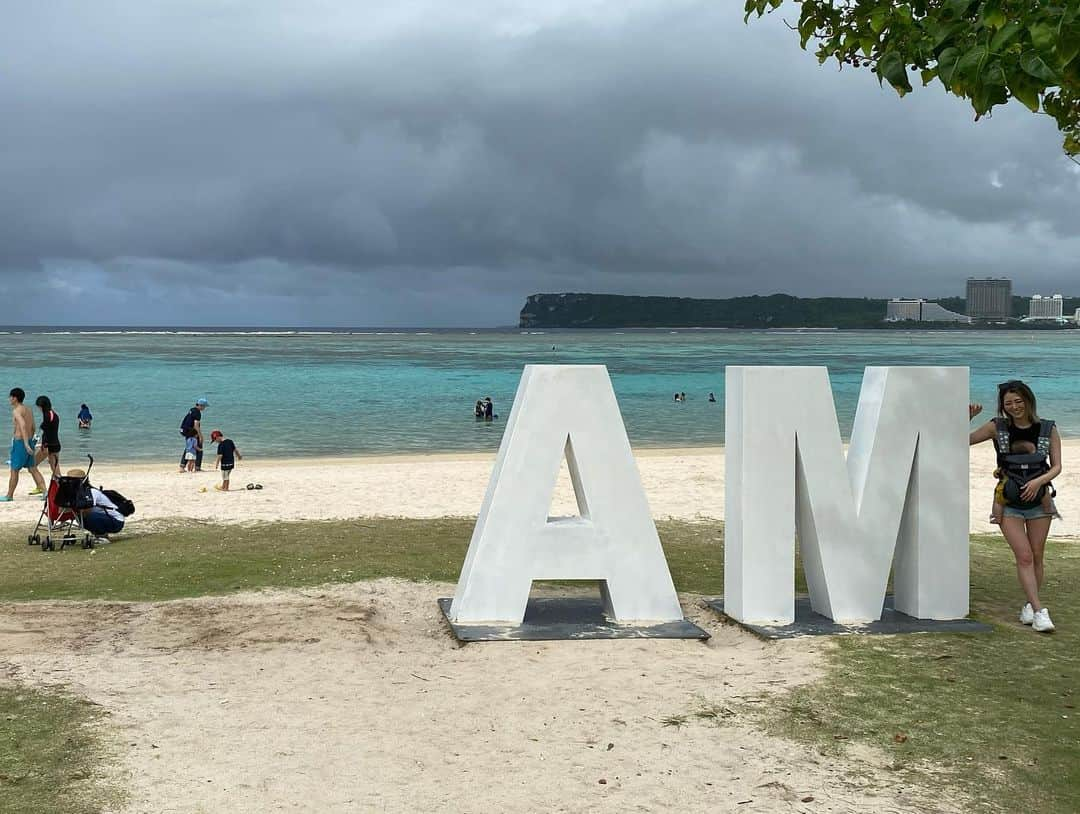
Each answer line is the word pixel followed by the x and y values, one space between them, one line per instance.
pixel 1015 469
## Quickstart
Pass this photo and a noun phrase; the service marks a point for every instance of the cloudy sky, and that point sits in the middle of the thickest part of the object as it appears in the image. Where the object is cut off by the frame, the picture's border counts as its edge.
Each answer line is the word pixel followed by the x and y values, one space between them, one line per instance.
pixel 418 162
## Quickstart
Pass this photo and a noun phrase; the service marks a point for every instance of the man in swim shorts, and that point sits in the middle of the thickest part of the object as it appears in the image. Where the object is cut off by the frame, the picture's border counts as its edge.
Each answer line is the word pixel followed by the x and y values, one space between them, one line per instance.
pixel 22 445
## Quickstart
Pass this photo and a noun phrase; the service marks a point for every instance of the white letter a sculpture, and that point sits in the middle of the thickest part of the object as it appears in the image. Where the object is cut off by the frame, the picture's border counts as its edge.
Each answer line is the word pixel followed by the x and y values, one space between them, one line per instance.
pixel 567 409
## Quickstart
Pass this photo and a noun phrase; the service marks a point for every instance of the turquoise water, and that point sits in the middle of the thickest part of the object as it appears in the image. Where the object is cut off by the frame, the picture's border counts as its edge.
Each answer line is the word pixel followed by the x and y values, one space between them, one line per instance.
pixel 311 394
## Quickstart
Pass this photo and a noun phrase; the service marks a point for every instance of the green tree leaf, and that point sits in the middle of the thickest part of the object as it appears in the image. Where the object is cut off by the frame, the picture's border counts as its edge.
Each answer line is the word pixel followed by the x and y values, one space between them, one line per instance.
pixel 1027 93
pixel 1005 36
pixel 945 33
pixel 991 15
pixel 1043 35
pixel 958 7
pixel 891 67
pixel 994 75
pixel 971 63
pixel 947 66
pixel 1034 65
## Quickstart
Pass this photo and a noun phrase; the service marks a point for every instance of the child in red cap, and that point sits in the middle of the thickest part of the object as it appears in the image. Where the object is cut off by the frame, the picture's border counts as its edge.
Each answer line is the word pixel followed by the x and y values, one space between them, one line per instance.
pixel 227 456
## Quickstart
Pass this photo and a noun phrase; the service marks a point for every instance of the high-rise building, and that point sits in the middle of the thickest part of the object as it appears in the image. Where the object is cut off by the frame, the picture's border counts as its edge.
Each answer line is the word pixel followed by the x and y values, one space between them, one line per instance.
pixel 989 299
pixel 1046 307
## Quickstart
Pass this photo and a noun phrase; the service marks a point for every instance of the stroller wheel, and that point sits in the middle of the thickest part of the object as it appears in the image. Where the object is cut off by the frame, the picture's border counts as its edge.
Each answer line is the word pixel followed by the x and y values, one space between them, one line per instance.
pixel 69 540
pixel 33 539
pixel 88 541
pixel 47 544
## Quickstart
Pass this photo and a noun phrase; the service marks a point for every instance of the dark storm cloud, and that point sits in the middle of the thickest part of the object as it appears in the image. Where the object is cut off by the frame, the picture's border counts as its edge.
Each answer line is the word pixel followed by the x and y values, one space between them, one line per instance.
pixel 299 156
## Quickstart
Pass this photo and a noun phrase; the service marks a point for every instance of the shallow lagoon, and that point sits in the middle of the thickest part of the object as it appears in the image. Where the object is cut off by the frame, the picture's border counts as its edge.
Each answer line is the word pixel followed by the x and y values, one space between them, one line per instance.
pixel 306 394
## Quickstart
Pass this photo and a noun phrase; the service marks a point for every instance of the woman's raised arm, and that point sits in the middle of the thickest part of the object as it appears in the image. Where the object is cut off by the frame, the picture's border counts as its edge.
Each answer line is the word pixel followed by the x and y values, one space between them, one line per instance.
pixel 985 432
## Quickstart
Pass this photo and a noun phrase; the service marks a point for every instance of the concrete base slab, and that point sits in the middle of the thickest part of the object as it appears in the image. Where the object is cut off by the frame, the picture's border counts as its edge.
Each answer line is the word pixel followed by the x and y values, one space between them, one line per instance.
pixel 564 618
pixel 809 623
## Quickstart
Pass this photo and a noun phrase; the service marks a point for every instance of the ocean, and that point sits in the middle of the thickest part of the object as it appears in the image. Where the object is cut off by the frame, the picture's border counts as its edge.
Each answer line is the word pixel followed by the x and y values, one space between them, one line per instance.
pixel 313 393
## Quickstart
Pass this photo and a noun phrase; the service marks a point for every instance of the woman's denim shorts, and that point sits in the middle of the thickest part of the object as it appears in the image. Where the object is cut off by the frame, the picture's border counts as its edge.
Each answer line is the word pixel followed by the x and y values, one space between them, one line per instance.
pixel 1033 513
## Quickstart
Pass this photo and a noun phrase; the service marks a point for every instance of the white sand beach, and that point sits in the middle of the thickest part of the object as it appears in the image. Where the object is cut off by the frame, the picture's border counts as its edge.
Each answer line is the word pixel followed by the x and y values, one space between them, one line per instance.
pixel 353 698
pixel 685 484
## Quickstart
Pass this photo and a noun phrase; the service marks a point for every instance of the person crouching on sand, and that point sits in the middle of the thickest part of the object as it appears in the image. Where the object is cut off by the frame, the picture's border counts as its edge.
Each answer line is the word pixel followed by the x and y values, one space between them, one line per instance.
pixel 227 456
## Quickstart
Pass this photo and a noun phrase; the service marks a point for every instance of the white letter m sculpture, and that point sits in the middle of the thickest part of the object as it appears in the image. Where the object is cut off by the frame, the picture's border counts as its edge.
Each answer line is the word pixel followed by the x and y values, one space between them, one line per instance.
pixel 901 497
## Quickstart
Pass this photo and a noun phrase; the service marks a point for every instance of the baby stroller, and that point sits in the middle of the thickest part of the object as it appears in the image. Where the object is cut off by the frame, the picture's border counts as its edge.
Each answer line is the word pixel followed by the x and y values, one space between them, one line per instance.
pixel 61 515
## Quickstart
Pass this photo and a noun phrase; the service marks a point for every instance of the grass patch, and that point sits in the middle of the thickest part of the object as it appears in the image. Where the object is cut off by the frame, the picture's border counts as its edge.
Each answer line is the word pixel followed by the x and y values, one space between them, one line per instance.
pixel 197 559
pixel 997 712
pixel 675 720
pixel 50 745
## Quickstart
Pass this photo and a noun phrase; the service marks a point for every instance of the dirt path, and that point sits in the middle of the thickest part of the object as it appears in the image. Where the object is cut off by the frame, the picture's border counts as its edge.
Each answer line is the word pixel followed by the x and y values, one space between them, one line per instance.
pixel 355 698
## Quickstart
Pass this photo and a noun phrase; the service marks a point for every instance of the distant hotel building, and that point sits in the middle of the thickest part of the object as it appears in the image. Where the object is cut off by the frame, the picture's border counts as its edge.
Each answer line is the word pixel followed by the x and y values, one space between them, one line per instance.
pixel 1045 308
pixel 903 310
pixel 1076 316
pixel 989 300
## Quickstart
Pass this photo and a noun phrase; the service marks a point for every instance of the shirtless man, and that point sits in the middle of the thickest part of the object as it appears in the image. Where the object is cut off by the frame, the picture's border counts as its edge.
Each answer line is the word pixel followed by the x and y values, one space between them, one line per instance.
pixel 22 445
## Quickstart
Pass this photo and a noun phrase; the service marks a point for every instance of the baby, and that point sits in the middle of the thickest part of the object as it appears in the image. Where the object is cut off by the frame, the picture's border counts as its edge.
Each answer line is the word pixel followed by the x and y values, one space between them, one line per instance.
pixel 998 508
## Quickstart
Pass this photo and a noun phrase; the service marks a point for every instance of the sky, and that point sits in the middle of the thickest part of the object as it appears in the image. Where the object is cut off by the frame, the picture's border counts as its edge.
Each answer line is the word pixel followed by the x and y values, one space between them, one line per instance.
pixel 424 163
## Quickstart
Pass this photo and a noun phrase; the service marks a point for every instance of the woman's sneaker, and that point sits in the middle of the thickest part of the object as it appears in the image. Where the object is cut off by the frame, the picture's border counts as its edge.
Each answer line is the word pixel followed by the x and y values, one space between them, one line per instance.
pixel 1041 622
pixel 1027 614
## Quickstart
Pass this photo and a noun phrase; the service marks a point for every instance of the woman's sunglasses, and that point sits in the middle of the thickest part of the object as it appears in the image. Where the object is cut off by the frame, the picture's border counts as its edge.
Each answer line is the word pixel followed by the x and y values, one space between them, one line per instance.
pixel 1008 384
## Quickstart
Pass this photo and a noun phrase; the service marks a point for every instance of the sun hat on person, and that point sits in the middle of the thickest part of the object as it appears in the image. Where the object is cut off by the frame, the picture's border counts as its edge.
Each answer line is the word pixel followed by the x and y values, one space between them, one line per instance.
pixel 76 473
pixel 202 402
pixel 216 434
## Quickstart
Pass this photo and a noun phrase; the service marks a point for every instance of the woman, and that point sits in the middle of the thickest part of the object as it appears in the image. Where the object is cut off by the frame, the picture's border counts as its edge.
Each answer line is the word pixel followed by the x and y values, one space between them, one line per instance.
pixel 85 417
pixel 1025 523
pixel 50 436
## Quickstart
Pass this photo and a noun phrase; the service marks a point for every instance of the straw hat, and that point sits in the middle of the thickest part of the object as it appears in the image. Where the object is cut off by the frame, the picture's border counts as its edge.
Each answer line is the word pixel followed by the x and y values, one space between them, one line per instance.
pixel 76 473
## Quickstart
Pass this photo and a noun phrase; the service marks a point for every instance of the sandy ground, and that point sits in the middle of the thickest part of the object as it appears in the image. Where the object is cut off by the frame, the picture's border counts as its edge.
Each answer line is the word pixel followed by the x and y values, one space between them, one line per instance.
pixel 682 483
pixel 354 699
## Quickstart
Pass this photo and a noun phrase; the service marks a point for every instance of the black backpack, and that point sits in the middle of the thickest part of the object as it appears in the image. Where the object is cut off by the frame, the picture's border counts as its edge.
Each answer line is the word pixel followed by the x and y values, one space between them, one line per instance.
pixel 123 505
pixel 1018 468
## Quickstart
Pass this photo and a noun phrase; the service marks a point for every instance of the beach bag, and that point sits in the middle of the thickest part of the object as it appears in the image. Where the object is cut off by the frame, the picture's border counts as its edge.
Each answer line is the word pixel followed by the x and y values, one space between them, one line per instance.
pixel 123 505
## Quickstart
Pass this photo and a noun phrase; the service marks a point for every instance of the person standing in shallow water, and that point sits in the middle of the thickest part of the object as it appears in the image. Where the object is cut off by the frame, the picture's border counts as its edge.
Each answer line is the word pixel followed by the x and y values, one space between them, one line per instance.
pixel 1026 526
